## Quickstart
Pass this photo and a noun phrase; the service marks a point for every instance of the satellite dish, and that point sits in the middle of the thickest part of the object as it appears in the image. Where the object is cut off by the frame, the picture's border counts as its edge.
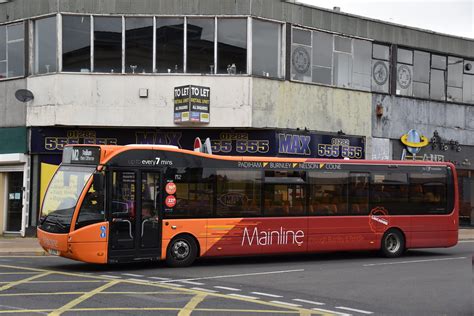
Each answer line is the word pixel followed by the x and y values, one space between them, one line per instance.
pixel 24 95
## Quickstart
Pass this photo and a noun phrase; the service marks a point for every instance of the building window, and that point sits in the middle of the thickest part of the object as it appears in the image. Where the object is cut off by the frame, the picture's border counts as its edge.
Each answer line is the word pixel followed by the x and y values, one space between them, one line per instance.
pixel 266 49
pixel 232 46
pixel 138 45
pixel 404 72
pixel 200 45
pixel 330 59
pixel 76 43
pixel 455 74
pixel 421 74
pixel 380 68
pixel 108 44
pixel 45 45
pixel 169 45
pixel 437 80
pixel 468 82
pixel 12 50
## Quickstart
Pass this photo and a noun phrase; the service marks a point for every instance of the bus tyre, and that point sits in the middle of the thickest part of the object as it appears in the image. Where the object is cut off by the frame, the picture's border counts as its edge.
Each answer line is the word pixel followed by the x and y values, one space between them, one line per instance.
pixel 393 243
pixel 182 251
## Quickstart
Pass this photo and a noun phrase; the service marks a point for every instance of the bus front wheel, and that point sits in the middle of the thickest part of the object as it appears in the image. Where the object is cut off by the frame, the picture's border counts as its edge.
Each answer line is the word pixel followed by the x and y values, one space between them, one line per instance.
pixel 182 251
pixel 393 243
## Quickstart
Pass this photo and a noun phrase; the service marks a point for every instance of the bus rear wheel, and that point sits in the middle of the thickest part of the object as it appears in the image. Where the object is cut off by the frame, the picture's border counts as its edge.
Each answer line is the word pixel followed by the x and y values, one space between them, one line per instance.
pixel 182 251
pixel 393 243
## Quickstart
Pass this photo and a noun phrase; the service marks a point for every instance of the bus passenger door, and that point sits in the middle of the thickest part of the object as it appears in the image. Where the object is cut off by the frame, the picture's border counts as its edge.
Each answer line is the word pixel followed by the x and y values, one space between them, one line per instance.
pixel 134 222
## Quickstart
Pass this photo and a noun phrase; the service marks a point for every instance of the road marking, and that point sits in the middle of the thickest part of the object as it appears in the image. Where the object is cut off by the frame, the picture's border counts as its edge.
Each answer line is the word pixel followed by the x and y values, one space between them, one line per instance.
pixel 411 261
pixel 82 298
pixel 101 293
pixel 354 310
pixel 192 283
pixel 463 241
pixel 139 280
pixel 12 284
pixel 265 294
pixel 192 304
pixel 110 276
pixel 244 296
pixel 17 273
pixel 133 275
pixel 330 311
pixel 285 303
pixel 309 302
pixel 226 288
pixel 161 279
pixel 234 275
pixel 204 290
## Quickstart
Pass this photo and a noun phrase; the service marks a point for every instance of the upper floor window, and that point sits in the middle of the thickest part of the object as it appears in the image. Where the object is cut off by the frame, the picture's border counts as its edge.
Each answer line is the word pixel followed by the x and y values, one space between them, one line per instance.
pixel 266 49
pixel 169 45
pixel 380 68
pixel 108 44
pixel 45 46
pixel 12 50
pixel 138 45
pixel 232 46
pixel 76 43
pixel 200 45
pixel 330 59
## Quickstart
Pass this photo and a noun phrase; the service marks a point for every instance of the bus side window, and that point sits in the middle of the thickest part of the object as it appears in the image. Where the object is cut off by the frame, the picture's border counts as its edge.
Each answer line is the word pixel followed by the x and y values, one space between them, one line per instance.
pixel 328 193
pixel 359 193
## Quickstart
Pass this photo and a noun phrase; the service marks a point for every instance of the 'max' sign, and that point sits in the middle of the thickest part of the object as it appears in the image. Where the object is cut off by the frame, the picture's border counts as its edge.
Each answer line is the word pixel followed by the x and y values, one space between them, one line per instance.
pixel 294 144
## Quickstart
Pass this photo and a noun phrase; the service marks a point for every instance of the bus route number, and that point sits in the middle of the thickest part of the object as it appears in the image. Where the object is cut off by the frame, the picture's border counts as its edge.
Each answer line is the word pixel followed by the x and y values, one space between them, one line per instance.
pixel 335 151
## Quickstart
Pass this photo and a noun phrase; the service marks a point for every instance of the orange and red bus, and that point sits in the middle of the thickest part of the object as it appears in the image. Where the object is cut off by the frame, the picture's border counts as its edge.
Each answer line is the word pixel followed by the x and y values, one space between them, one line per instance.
pixel 108 204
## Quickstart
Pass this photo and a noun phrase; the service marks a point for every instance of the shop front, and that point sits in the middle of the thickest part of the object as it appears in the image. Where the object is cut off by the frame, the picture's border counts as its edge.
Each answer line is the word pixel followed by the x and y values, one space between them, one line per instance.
pixel 435 147
pixel 47 145
pixel 13 181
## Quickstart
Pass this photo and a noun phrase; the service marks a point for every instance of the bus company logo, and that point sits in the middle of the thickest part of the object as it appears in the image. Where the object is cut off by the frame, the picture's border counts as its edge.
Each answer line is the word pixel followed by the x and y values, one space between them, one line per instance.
pixel 272 237
pixel 378 219
pixel 294 144
pixel 233 199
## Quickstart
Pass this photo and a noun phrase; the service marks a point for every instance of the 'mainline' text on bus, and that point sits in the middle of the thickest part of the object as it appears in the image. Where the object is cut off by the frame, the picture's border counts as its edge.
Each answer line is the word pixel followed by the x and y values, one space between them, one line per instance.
pixel 272 237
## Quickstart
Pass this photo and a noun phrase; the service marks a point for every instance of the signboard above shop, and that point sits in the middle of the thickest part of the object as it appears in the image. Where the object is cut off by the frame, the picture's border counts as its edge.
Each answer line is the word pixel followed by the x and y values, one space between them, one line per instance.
pixel 191 104
pixel 237 142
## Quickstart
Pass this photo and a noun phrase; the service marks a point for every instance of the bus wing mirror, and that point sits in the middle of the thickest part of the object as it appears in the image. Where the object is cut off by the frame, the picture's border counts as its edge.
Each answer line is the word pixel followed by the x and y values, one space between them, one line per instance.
pixel 98 181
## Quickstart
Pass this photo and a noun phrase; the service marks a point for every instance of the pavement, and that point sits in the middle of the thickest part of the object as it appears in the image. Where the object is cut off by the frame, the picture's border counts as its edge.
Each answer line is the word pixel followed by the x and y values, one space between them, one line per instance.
pixel 30 246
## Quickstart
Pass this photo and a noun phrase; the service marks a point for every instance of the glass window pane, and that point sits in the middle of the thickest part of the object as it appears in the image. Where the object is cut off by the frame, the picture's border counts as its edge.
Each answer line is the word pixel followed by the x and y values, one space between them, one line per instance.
pixel 380 75
pixel 361 77
pixel 15 32
pixel 328 193
pixel 266 48
pixel 322 49
pixel 455 72
pixel 421 90
pixel 427 194
pixel 284 193
pixel 359 193
pixel 380 52
pixel 343 44
pixel 454 94
pixel 322 75
pixel 138 45
pixel 16 59
pixel 45 46
pixel 390 191
pixel 200 45
pixel 438 62
pixel 421 67
pixel 92 208
pixel 238 193
pixel 468 89
pixel 469 67
pixel 169 45
pixel 405 56
pixel 437 85
pixel 108 44
pixel 3 43
pixel 404 79
pixel 301 63
pixel 301 37
pixel 232 46
pixel 150 209
pixel 342 70
pixel 76 43
pixel 3 69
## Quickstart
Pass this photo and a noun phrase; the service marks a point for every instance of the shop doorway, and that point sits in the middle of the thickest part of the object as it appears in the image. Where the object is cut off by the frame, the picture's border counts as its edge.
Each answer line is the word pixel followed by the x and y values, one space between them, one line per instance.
pixel 14 201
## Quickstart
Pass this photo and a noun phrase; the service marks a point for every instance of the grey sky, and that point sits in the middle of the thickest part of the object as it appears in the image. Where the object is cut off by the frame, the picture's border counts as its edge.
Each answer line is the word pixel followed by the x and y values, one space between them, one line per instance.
pixel 454 17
